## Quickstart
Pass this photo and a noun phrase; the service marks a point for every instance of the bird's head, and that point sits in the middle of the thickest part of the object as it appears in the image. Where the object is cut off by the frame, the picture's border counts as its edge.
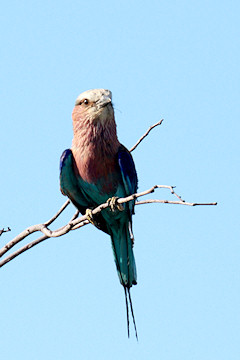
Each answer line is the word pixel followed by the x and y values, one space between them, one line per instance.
pixel 94 106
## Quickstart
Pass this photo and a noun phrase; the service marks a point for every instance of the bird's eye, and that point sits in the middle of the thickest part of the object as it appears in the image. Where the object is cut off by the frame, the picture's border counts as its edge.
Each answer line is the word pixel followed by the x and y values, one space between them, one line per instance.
pixel 85 101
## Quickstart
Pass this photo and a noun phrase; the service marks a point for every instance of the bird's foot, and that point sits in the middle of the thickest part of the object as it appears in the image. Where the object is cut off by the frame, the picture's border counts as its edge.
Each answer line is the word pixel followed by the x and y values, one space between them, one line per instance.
pixel 114 205
pixel 90 216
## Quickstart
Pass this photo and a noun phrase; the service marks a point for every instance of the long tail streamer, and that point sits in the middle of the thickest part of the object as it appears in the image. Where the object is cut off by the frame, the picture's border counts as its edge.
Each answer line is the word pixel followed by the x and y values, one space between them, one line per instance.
pixel 128 297
pixel 133 317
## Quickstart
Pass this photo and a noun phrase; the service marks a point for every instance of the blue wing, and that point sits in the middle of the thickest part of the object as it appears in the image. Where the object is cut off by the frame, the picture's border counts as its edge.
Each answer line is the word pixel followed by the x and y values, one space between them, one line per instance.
pixel 128 172
pixel 69 183
pixel 71 186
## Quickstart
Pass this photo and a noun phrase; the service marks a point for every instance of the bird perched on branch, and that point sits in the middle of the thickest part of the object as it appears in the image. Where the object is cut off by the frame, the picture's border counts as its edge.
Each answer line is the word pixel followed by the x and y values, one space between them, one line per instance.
pixel 98 169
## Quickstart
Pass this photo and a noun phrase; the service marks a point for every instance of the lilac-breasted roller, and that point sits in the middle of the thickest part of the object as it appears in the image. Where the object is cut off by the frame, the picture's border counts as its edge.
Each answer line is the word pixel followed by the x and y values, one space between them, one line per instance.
pixel 98 169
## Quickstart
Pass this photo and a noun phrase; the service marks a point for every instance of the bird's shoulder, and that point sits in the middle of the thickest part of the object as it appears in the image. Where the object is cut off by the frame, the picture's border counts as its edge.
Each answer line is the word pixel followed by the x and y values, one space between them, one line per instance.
pixel 65 157
pixel 128 169
pixel 66 170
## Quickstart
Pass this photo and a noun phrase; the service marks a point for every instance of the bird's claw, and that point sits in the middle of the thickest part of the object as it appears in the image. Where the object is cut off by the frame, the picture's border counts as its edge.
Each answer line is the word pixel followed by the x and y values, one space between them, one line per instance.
pixel 114 205
pixel 89 216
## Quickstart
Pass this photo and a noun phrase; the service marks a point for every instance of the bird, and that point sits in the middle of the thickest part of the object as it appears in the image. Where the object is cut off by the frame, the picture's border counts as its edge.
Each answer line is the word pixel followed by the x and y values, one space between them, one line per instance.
pixel 99 169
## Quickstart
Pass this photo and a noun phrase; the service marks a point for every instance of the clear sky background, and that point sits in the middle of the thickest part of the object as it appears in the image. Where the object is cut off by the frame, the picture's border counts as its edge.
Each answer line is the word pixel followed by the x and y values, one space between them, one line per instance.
pixel 177 60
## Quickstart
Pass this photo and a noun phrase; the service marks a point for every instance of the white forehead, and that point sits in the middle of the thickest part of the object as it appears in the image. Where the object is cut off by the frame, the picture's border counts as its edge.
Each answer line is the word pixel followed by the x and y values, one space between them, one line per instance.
pixel 93 95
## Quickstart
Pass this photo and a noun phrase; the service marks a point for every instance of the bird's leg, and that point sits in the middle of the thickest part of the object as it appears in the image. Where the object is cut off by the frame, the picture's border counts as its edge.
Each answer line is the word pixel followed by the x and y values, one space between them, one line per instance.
pixel 90 216
pixel 113 203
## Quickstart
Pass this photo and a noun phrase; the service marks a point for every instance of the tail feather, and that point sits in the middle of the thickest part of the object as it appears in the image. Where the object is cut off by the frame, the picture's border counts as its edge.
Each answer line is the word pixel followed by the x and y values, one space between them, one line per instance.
pixel 122 244
pixel 127 310
pixel 133 317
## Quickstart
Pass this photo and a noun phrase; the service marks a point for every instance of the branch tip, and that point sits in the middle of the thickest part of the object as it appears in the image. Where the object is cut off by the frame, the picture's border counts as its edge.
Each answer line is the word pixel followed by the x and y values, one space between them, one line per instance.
pixel 146 134
pixel 4 230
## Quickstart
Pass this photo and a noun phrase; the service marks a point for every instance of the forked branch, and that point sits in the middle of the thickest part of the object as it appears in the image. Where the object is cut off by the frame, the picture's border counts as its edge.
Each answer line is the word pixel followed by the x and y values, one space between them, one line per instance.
pixel 4 230
pixel 76 222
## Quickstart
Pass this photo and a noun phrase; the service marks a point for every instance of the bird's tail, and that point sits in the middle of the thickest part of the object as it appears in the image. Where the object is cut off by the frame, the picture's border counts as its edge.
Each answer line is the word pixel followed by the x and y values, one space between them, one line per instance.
pixel 122 244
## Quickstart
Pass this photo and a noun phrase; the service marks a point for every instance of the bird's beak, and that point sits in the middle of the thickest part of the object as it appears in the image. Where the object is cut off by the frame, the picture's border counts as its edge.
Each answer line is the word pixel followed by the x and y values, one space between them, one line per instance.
pixel 104 101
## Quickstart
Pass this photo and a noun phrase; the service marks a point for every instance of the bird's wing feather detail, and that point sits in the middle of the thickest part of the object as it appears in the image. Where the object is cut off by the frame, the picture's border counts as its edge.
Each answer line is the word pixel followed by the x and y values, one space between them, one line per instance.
pixel 69 183
pixel 128 172
pixel 73 187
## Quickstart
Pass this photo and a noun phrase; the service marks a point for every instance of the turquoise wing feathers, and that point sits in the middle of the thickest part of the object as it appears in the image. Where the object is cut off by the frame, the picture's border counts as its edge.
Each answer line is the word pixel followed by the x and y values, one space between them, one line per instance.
pixel 129 174
pixel 69 183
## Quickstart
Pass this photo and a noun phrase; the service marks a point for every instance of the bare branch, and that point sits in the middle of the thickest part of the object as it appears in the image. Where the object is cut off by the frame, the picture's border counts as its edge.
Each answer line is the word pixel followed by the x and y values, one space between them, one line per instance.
pixel 77 222
pixel 22 249
pixel 35 242
pixel 30 230
pixel 146 134
pixel 62 208
pixel 152 201
pixel 4 231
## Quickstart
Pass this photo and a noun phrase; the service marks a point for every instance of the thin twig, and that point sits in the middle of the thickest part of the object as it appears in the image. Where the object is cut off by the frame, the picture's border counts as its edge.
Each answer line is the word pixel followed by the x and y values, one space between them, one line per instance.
pixel 146 134
pixel 62 208
pixel 4 230
pixel 21 250
pixel 31 229
pixel 152 201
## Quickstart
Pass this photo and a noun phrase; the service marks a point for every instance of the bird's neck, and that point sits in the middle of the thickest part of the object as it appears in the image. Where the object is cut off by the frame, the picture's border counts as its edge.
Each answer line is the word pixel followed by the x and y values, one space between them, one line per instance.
pixel 101 138
pixel 94 148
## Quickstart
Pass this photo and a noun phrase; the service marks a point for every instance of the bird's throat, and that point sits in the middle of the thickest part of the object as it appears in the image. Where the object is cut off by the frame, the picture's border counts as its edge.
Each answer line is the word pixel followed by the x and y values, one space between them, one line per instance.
pixel 94 149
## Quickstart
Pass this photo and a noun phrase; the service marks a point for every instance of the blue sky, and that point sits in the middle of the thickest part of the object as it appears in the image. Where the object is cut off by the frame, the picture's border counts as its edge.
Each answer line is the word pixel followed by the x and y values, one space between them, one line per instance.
pixel 177 60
